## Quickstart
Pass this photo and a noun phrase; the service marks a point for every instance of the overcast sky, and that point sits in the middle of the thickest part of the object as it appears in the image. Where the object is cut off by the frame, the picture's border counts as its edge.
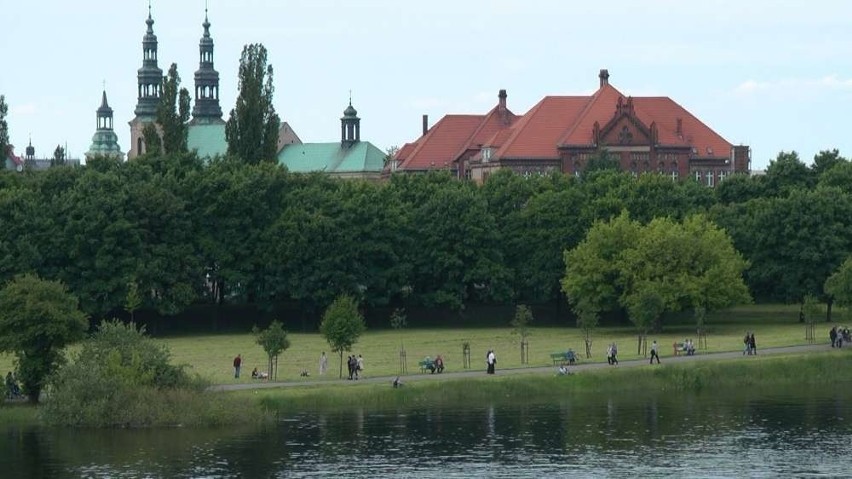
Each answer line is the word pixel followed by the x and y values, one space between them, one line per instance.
pixel 775 75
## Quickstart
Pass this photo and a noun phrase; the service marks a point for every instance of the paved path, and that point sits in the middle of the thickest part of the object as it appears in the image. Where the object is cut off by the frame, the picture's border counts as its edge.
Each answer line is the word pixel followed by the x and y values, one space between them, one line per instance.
pixel 409 378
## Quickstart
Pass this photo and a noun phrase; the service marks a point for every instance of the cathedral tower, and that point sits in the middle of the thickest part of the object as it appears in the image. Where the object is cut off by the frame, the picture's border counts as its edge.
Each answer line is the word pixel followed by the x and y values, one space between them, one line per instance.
pixel 150 89
pixel 206 109
pixel 104 141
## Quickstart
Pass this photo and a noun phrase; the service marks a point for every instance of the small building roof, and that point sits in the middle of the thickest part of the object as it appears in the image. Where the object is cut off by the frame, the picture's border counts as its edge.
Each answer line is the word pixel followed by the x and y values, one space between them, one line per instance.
pixel 360 157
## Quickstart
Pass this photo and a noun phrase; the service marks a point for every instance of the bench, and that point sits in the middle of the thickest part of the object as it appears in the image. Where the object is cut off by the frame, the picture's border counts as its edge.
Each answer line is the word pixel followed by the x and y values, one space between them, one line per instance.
pixel 679 348
pixel 568 357
pixel 427 364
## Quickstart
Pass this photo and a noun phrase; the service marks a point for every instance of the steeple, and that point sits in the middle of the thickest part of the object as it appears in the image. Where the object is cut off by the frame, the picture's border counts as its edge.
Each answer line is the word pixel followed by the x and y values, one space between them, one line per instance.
pixel 150 76
pixel 350 126
pixel 206 109
pixel 104 141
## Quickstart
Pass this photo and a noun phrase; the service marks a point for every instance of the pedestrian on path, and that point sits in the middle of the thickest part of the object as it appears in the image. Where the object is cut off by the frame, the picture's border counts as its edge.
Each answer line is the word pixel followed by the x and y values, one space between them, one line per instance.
pixel 490 360
pixel 323 364
pixel 238 361
pixel 654 353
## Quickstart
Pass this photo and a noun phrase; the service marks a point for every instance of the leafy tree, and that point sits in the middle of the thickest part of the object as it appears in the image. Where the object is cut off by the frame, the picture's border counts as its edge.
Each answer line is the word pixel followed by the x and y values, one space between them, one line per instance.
pixel 173 113
pixel 838 176
pixel 252 129
pixel 739 188
pixel 838 286
pixel 153 142
pixel 58 156
pixel 132 301
pixel 38 318
pixel 601 160
pixel 4 128
pixel 811 312
pixel 826 160
pixel 342 325
pixel 274 341
pixel 521 326
pixel 787 173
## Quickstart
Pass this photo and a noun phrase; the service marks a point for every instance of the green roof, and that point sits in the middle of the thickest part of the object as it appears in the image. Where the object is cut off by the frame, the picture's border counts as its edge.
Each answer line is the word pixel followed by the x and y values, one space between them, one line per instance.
pixel 361 157
pixel 208 139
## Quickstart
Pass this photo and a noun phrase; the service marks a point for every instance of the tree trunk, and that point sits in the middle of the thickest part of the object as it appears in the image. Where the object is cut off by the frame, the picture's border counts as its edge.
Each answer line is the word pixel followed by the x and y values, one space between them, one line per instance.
pixel 828 305
pixel 341 365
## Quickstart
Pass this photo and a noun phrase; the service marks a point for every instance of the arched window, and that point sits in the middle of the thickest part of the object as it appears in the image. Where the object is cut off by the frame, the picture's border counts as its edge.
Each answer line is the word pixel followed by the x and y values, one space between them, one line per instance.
pixel 139 146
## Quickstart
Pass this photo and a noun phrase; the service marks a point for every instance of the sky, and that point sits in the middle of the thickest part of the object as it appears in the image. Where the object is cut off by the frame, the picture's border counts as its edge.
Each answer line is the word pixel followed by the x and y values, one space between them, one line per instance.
pixel 775 75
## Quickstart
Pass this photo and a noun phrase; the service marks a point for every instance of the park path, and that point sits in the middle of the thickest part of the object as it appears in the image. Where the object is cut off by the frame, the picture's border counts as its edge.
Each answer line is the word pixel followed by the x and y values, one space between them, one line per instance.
pixel 471 373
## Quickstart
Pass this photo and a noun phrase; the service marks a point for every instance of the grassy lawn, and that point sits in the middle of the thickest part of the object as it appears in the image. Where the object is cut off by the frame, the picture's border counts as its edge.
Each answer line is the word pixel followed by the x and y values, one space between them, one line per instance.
pixel 211 356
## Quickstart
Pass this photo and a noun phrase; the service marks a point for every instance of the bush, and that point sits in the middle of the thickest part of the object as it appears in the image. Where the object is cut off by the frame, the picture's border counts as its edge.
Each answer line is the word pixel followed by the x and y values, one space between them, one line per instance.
pixel 123 378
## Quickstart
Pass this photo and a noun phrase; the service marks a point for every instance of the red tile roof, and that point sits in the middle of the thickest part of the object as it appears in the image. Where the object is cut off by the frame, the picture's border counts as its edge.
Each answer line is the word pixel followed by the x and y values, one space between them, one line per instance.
pixel 553 122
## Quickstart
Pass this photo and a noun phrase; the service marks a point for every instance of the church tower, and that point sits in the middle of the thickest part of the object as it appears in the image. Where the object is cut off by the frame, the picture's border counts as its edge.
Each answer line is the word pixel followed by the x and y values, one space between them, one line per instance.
pixel 104 141
pixel 150 89
pixel 206 109
pixel 350 127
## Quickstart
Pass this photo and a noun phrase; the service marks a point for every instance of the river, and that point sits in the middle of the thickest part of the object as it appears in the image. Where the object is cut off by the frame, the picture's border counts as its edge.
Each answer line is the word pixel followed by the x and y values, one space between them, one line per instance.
pixel 753 433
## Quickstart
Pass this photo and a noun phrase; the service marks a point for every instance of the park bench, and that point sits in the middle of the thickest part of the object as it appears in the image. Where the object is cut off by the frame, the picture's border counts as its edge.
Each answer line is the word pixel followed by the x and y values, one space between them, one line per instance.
pixel 679 348
pixel 565 357
pixel 427 364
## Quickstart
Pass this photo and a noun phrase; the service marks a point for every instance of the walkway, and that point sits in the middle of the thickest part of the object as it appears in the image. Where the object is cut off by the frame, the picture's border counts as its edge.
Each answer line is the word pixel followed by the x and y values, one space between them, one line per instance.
pixel 469 373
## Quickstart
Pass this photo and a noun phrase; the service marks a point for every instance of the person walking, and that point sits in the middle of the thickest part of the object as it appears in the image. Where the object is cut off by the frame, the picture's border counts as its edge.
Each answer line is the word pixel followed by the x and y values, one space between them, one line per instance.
pixel 654 352
pixel 359 367
pixel 615 354
pixel 747 343
pixel 238 361
pixel 490 360
pixel 833 336
pixel 752 345
pixel 323 364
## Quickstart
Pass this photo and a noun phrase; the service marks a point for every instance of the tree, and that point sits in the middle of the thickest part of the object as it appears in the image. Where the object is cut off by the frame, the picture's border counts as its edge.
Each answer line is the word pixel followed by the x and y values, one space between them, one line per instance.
pixel 398 322
pixel 826 160
pixel 838 286
pixel 38 318
pixel 132 301
pixel 787 173
pixel 153 142
pixel 252 129
pixel 274 341
pixel 58 156
pixel 4 128
pixel 173 113
pixel 342 325
pixel 521 327
pixel 811 312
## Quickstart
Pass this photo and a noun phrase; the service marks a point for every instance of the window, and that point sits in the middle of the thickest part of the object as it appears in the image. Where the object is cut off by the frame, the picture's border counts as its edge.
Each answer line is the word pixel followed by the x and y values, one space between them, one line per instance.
pixel 722 175
pixel 486 155
pixel 710 176
pixel 698 176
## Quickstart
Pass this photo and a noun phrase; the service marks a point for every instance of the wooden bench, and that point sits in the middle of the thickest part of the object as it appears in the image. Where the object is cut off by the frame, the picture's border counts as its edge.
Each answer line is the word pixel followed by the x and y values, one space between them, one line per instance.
pixel 566 357
pixel 679 348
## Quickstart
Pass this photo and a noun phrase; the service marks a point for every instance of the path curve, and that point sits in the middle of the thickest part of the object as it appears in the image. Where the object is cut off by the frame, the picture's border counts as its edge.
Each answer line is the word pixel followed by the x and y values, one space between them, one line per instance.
pixel 409 378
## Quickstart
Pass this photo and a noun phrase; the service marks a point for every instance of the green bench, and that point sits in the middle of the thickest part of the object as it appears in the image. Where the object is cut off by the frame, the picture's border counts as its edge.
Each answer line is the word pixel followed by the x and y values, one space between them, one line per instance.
pixel 564 357
pixel 427 364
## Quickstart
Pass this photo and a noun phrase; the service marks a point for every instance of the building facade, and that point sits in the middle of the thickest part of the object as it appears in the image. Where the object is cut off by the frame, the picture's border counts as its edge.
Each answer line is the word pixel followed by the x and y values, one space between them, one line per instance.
pixel 561 133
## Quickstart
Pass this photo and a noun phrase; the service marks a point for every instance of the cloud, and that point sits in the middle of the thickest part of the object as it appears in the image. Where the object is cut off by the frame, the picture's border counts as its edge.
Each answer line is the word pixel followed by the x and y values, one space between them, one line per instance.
pixel 795 85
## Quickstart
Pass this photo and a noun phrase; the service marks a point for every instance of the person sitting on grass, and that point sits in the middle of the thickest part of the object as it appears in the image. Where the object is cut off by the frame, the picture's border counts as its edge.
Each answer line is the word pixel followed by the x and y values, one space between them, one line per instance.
pixel 563 370
pixel 255 374
pixel 397 383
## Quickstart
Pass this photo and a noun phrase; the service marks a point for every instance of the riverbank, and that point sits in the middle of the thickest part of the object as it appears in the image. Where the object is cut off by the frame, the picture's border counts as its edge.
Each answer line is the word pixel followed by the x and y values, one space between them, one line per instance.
pixel 723 373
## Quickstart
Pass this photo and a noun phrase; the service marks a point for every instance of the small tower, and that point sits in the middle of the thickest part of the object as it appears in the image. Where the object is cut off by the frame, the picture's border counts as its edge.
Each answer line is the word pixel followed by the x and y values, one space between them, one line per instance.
pixel 150 89
pixel 104 141
pixel 30 151
pixel 206 109
pixel 350 126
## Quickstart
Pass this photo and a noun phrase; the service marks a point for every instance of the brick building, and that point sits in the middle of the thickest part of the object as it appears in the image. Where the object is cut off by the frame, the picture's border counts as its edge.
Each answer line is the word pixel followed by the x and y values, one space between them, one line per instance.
pixel 561 133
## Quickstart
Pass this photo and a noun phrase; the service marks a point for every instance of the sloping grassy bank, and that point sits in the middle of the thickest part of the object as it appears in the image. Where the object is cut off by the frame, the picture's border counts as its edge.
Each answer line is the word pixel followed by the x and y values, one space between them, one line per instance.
pixel 817 369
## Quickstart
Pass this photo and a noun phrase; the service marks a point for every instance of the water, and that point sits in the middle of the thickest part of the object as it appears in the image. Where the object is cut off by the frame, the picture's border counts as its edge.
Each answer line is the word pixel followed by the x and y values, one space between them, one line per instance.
pixel 742 434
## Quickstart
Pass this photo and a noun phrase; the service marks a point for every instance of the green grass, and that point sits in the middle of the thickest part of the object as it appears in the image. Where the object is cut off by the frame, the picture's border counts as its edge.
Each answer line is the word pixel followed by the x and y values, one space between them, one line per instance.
pixel 211 356
pixel 832 368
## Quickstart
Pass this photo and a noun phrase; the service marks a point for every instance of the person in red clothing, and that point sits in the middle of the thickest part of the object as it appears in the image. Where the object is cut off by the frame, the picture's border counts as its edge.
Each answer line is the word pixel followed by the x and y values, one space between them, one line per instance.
pixel 238 361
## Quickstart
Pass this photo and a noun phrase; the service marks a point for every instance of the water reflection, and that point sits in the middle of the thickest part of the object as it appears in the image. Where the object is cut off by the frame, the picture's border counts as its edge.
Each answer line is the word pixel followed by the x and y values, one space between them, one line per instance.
pixel 744 433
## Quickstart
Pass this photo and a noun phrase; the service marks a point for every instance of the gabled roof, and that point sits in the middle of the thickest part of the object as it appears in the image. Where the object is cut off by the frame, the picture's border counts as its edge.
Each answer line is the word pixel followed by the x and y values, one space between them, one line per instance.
pixel 665 112
pixel 536 134
pixel 442 143
pixel 361 157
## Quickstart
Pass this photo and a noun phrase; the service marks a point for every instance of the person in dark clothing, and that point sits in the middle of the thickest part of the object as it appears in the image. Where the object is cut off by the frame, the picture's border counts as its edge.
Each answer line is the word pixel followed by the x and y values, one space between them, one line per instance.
pixel 238 361
pixel 833 336
pixel 752 345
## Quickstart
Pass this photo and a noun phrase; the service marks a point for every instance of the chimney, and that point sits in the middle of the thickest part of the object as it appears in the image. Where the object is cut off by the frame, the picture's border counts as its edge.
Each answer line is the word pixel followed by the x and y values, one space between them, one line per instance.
pixel 604 77
pixel 679 129
pixel 502 100
pixel 425 123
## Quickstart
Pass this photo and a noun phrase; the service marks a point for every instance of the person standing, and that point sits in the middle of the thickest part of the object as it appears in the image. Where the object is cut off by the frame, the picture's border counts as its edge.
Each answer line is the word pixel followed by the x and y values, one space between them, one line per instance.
pixel 833 336
pixel 747 343
pixel 615 354
pixel 491 360
pixel 752 345
pixel 323 365
pixel 609 354
pixel 359 367
pixel 238 361
pixel 654 353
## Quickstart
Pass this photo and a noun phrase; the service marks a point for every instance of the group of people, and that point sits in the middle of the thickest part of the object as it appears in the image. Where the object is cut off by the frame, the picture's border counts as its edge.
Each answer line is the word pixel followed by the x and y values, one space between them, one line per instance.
pixel 355 364
pixel 255 374
pixel 12 389
pixel 689 347
pixel 750 346
pixel 612 354
pixel 838 336
pixel 436 365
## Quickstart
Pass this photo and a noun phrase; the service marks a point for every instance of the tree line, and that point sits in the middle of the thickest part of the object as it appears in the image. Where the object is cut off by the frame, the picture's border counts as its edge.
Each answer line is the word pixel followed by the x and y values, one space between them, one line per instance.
pixel 174 231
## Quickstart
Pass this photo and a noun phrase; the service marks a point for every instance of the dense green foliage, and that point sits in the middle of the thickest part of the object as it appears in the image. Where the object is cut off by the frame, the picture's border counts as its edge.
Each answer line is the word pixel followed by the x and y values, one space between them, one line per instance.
pixel 227 232
pixel 37 319
pixel 274 341
pixel 121 377
pixel 173 113
pixel 342 325
pixel 4 128
pixel 252 129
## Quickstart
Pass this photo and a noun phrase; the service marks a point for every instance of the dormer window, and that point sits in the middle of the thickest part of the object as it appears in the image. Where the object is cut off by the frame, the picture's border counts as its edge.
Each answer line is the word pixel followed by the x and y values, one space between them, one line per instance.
pixel 486 155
